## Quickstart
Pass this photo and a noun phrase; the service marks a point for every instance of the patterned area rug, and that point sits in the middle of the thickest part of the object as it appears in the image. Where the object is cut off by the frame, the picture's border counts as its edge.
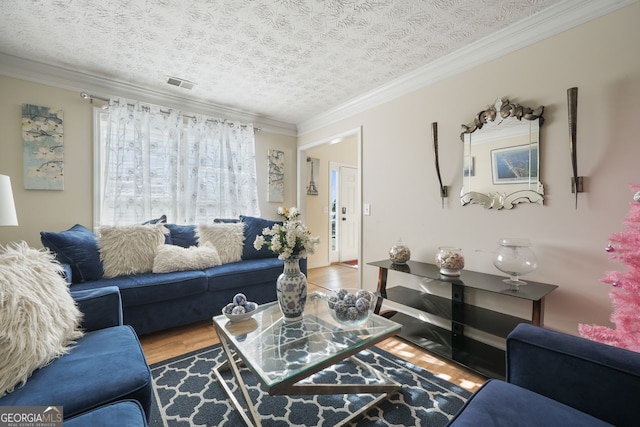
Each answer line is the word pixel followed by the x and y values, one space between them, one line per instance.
pixel 188 394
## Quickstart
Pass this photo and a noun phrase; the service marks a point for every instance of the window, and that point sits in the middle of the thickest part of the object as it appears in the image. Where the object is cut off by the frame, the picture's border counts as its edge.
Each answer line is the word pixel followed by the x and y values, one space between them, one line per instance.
pixel 152 161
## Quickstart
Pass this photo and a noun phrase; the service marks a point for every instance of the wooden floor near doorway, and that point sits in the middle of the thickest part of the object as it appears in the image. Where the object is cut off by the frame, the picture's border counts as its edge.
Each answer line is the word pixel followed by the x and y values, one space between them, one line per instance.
pixel 174 342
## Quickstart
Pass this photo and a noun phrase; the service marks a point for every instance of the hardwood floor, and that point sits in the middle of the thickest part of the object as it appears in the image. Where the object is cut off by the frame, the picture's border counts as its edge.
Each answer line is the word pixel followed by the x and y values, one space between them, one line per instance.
pixel 174 342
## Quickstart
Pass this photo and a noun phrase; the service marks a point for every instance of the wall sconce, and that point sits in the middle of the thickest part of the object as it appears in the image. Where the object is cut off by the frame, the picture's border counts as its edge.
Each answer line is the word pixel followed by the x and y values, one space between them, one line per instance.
pixel 443 188
pixel 572 106
pixel 7 206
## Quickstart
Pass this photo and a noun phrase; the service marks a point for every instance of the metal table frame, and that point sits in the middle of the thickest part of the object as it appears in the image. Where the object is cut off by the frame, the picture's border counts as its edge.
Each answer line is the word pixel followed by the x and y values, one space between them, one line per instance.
pixel 235 360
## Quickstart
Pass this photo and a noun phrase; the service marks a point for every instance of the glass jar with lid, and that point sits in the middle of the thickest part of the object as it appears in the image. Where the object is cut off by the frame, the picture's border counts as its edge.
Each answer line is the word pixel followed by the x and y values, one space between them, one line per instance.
pixel 450 260
pixel 399 253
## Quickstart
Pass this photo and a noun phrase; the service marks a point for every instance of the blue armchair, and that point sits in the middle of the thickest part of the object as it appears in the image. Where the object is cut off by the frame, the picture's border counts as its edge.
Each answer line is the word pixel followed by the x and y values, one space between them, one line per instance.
pixel 555 379
pixel 105 368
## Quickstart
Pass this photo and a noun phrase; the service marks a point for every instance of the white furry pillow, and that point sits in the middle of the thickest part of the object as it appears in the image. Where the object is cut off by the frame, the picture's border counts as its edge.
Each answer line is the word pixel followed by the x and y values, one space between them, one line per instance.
pixel 228 239
pixel 129 249
pixel 176 258
pixel 39 319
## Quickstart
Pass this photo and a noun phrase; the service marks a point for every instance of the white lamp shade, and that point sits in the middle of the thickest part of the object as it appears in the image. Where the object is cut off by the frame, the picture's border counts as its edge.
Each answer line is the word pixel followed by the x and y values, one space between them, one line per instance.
pixel 7 207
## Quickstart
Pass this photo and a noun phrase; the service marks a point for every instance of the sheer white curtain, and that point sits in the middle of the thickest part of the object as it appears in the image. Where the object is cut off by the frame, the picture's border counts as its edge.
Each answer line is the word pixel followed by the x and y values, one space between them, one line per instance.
pixel 157 161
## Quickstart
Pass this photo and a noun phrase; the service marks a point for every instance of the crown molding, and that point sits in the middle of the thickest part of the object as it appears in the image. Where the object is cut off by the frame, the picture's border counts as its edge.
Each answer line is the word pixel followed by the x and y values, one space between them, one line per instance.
pixel 37 72
pixel 547 23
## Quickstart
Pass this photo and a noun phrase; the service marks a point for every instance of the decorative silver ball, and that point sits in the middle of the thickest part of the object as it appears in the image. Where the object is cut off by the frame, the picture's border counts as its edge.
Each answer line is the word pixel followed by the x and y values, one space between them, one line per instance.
pixel 636 197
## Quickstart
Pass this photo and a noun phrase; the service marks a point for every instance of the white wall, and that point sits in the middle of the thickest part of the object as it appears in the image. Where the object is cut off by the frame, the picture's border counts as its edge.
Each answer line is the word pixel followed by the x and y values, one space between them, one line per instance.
pixel 58 210
pixel 399 179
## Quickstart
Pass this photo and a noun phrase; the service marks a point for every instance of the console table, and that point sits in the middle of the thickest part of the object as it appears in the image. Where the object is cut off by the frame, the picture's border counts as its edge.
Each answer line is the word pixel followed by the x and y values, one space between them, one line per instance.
pixel 453 343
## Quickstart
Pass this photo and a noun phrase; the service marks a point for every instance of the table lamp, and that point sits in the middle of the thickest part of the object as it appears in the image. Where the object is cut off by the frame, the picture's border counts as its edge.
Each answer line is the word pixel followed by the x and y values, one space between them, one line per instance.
pixel 7 206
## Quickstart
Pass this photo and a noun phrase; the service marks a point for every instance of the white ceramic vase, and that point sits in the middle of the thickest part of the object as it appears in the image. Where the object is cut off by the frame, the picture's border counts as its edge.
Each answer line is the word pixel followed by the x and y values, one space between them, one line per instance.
pixel 291 289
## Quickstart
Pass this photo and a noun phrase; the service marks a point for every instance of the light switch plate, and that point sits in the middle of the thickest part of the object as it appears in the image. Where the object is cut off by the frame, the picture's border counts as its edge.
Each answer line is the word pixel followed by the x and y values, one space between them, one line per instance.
pixel 367 209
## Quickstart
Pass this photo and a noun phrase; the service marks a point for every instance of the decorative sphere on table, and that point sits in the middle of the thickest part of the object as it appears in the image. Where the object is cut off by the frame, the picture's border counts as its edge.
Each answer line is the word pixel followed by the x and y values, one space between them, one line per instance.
pixel 238 309
pixel 239 299
pixel 363 304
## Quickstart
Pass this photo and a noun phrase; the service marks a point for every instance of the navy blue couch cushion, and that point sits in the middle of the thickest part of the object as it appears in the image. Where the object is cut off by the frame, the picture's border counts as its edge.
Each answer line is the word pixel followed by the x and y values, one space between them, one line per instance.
pixel 253 227
pixel 590 376
pixel 498 403
pixel 244 273
pixel 101 307
pixel 149 288
pixel 127 413
pixel 77 247
pixel 182 235
pixel 104 366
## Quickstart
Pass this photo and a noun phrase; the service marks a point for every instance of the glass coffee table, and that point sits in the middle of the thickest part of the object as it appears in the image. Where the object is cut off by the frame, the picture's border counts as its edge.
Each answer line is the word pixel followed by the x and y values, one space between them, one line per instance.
pixel 282 354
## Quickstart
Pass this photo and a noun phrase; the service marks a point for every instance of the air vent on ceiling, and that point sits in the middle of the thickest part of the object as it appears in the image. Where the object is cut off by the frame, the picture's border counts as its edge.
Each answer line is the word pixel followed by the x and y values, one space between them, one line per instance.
pixel 185 84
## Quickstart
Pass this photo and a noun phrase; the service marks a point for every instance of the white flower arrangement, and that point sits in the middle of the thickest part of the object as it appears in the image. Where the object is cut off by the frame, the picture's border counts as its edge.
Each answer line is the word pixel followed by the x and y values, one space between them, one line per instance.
pixel 289 240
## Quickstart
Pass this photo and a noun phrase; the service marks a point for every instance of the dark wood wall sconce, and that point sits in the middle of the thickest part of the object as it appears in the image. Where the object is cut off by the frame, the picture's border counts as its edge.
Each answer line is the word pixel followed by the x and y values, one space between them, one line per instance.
pixel 444 191
pixel 572 104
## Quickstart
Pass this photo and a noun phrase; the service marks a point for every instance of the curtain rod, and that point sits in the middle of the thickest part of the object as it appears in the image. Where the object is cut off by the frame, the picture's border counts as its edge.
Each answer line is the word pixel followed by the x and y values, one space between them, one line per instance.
pixel 85 95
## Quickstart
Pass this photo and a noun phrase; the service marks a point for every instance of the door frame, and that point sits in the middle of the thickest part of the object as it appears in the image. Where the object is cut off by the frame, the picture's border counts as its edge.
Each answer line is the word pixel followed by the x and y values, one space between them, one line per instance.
pixel 301 193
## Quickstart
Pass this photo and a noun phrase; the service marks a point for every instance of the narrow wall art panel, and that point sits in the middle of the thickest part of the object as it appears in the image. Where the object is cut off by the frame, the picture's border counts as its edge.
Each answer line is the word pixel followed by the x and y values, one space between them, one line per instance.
pixel 42 139
pixel 313 168
pixel 276 176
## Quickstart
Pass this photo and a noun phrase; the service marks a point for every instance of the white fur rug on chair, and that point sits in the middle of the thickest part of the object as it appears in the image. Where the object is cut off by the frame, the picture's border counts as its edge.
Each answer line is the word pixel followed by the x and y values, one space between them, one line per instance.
pixel 39 320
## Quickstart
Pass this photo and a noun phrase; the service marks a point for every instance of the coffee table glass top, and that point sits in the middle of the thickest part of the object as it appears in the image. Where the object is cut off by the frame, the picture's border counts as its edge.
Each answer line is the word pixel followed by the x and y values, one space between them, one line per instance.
pixel 278 351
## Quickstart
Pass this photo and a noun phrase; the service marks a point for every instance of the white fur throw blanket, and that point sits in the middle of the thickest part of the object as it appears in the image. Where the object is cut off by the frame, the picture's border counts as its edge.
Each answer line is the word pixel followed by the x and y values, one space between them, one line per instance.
pixel 176 258
pixel 39 319
pixel 228 239
pixel 130 249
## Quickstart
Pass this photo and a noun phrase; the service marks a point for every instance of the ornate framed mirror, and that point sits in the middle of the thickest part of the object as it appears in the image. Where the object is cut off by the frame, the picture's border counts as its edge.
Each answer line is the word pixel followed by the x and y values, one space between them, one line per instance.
pixel 501 157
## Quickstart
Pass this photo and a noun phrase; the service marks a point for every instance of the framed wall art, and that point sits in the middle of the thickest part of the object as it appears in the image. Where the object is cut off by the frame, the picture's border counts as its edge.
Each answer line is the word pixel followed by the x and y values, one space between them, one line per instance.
pixel 276 176
pixel 43 147
pixel 313 168
pixel 518 164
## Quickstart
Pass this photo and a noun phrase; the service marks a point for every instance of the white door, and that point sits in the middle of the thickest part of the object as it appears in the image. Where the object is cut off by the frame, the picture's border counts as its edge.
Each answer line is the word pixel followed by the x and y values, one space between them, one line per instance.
pixel 347 214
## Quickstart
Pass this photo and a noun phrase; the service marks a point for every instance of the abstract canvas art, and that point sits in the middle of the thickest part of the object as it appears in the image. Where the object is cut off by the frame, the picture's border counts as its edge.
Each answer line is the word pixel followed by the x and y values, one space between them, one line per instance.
pixel 276 176
pixel 43 149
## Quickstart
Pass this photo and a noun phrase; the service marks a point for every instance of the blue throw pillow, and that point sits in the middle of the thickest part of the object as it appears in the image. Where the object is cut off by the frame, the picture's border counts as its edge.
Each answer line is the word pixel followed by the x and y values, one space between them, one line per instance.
pixel 225 220
pixel 160 220
pixel 182 235
pixel 253 227
pixel 77 247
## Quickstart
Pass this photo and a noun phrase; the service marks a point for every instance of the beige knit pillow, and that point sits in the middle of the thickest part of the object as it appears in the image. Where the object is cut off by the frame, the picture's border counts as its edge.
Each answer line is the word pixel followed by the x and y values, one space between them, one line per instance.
pixel 39 319
pixel 131 249
pixel 176 258
pixel 228 239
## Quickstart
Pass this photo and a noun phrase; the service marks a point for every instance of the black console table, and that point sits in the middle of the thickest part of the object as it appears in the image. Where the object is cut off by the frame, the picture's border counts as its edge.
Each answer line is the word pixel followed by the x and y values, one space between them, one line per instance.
pixel 452 343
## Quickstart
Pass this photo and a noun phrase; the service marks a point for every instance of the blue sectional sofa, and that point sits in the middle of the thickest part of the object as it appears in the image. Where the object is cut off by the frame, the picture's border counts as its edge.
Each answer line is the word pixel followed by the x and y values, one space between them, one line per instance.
pixel 104 380
pixel 153 302
pixel 554 379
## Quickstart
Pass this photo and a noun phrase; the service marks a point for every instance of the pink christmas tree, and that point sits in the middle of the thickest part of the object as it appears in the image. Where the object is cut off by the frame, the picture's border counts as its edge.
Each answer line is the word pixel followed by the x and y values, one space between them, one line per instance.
pixel 625 291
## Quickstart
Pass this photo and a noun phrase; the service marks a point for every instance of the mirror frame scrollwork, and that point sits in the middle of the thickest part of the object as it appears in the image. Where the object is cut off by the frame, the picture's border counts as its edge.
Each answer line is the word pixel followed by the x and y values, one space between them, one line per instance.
pixel 504 109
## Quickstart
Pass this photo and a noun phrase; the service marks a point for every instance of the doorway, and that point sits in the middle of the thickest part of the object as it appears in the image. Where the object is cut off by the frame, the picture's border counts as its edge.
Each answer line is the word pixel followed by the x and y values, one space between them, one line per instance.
pixel 341 234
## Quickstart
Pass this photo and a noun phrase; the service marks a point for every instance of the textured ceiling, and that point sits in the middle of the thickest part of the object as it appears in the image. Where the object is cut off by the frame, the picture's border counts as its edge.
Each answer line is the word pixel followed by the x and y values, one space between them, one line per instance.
pixel 281 59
